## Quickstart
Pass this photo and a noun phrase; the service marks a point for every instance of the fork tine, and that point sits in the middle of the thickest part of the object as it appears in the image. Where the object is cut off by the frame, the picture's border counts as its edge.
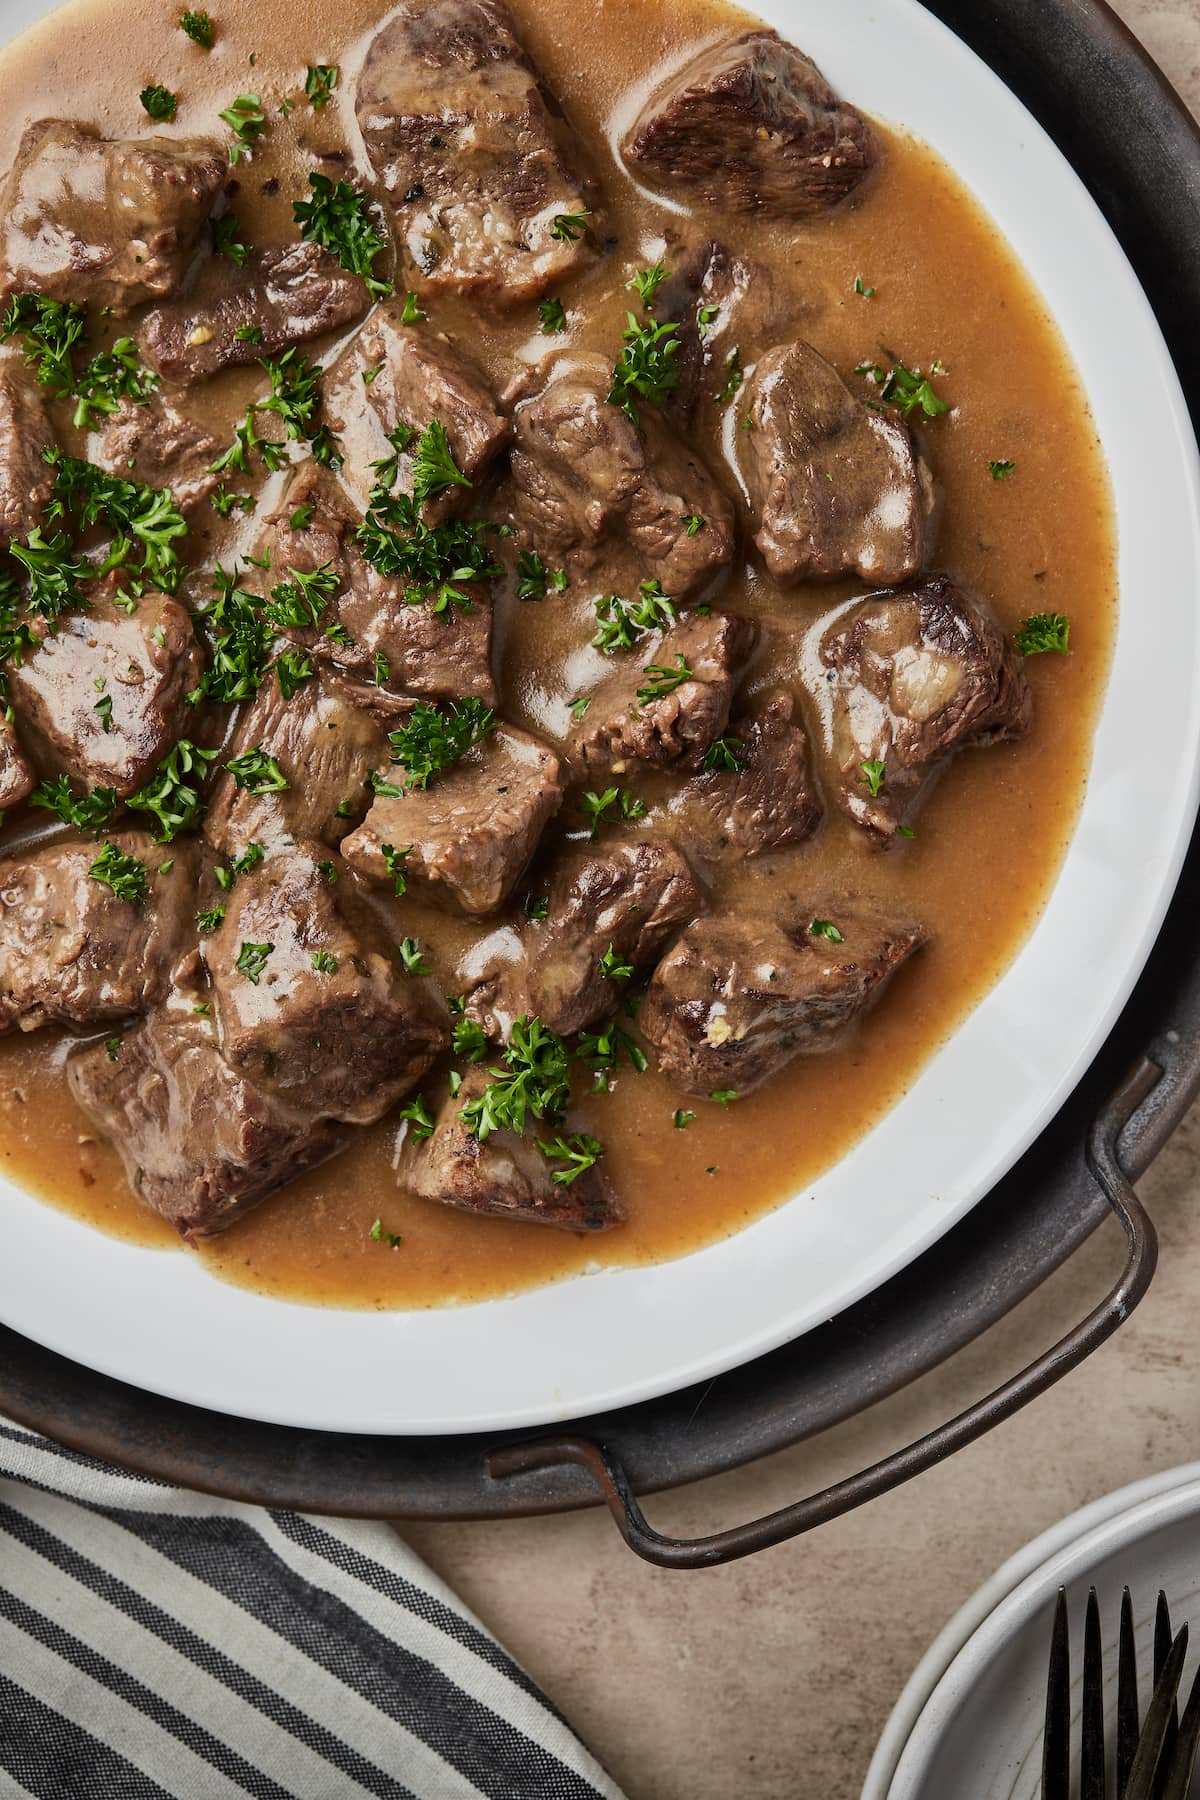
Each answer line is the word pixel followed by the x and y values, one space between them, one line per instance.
pixel 1127 1695
pixel 1091 1762
pixel 1162 1648
pixel 1158 1717
pixel 1056 1739
pixel 1183 1761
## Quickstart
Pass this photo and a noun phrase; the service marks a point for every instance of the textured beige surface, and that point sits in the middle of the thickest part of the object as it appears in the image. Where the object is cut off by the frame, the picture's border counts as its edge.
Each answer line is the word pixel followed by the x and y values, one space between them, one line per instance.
pixel 772 1678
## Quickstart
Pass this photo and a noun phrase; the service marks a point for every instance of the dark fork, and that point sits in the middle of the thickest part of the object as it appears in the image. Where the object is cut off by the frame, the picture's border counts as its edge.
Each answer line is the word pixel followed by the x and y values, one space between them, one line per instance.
pixel 1155 1761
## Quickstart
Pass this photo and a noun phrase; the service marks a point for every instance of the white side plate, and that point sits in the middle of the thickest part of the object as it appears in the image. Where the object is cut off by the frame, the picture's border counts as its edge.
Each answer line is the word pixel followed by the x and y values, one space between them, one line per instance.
pixel 162 1322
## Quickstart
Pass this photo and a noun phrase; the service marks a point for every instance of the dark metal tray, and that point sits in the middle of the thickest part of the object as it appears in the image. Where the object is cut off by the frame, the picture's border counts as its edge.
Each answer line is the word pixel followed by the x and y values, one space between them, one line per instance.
pixel 1126 132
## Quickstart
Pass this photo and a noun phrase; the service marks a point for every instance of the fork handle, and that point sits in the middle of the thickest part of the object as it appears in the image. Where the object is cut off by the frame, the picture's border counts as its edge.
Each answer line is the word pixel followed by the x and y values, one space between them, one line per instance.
pixel 609 1475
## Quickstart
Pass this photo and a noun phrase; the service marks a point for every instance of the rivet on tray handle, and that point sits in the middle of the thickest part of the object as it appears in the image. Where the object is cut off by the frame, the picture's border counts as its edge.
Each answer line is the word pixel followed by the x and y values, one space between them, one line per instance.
pixel 843 1496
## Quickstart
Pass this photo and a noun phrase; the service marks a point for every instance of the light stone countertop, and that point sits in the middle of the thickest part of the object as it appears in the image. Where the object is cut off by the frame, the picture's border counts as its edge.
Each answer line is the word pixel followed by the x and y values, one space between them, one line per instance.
pixel 771 1679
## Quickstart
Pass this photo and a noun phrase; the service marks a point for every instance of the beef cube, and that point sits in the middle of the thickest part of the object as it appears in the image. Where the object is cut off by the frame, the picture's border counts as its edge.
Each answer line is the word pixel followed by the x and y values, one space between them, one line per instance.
pixel 26 482
pixel 742 993
pixel 71 951
pixel 838 487
pixel 723 304
pixel 911 678
pixel 157 446
pixel 505 1177
pixel 292 294
pixel 677 727
pixel 472 830
pixel 751 125
pixel 631 897
pixel 145 664
pixel 726 814
pixel 309 1002
pixel 104 222
pixel 200 1145
pixel 408 648
pixel 17 777
pixel 586 477
pixel 326 740
pixel 415 375
pixel 474 167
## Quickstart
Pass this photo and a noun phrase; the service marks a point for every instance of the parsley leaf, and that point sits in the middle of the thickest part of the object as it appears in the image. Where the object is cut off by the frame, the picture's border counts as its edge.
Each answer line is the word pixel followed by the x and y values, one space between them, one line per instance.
pixel 110 377
pixel 734 377
pixel 433 466
pixel 338 218
pixel 1000 471
pixel 49 330
pixel 227 241
pixel 612 968
pixel 681 1119
pixel 647 282
pixel 158 102
pixel 172 793
pixel 257 772
pixel 1041 632
pixel 89 813
pixel 125 875
pixel 393 862
pixel 534 577
pixel 873 775
pixel 907 388
pixel 552 316
pixel 412 957
pixel 412 314
pixel 252 960
pixel 860 287
pixel 577 1153
pixel 247 121
pixel 54 574
pixel 568 227
pixel 647 366
pixel 434 738
pixel 726 754
pixel 319 84
pixel 199 27
pixel 534 1077
pixel 595 807
pixel 827 929
pixel 664 681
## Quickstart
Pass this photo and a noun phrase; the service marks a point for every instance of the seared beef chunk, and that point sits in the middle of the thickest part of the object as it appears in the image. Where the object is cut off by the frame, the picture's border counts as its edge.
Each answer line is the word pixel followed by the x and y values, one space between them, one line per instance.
pixel 457 131
pixel 325 741
pixel 586 476
pixel 838 487
pixel 395 374
pixel 90 219
pixel 770 800
pixel 105 695
pixel 407 648
pixel 310 1003
pixel 677 727
pixel 472 830
pixel 505 1177
pixel 751 124
pixel 723 304
pixel 25 478
pixel 743 993
pixel 17 778
pixel 200 1145
pixel 158 446
pixel 291 294
pixel 912 677
pixel 630 897
pixel 70 950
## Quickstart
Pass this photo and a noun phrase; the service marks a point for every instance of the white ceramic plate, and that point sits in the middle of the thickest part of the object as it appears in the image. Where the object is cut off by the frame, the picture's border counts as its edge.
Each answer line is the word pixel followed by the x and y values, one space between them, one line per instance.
pixel 978 1733
pixel 161 1322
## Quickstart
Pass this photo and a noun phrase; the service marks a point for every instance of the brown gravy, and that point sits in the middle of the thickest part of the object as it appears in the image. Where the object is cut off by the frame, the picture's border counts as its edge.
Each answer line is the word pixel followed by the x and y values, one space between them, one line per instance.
pixel 991 839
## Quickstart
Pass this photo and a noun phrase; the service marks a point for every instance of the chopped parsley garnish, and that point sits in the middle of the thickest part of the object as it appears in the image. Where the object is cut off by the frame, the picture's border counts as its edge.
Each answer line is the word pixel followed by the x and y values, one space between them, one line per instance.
pixel 595 807
pixel 647 366
pixel 647 282
pixel 257 772
pixel 1000 471
pixel 240 643
pixel 90 812
pixel 145 520
pixel 110 377
pixel 1041 632
pixel 223 502
pixel 324 962
pixel 383 669
pixel 537 907
pixel 435 737
pixel 319 84
pixel 534 578
pixel 412 957
pixel 579 706
pixel 103 708
pixel 724 1096
pixel 294 392
pixel 534 1077
pixel 734 377
pixel 338 218
pixel 393 861
pixel 552 316
pixel 125 875
pixel 612 968
pixel 418 1115
pixel 620 624
pixel 252 960
pixel 292 670
pixel 860 287
pixel 433 466
pixel 906 388
pixel 905 831
pixel 827 929
pixel 199 27
pixel 49 331
pixel 726 754
pixel 602 1052
pixel 681 1119
pixel 158 102
pixel 695 523
pixel 577 1154
pixel 469 1040
pixel 299 604
pixel 54 574
pixel 568 227
pixel 247 121
pixel 664 681
pixel 705 316
pixel 873 774
pixel 172 794
pixel 227 241
pixel 248 334
pixel 250 858
pixel 378 1235
pixel 211 920
pixel 432 560
pixel 412 314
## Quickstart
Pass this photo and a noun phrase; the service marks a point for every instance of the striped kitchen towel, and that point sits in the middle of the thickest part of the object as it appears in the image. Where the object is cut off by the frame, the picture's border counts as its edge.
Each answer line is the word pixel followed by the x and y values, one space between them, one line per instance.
pixel 156 1643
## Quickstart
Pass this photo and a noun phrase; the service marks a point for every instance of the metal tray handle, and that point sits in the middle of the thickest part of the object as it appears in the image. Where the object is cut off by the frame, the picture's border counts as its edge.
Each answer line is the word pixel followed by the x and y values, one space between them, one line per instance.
pixel 843 1496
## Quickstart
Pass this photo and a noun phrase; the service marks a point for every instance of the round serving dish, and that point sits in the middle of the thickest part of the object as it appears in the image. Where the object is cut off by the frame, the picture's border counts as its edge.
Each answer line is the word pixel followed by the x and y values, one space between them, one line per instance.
pixel 973 1111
